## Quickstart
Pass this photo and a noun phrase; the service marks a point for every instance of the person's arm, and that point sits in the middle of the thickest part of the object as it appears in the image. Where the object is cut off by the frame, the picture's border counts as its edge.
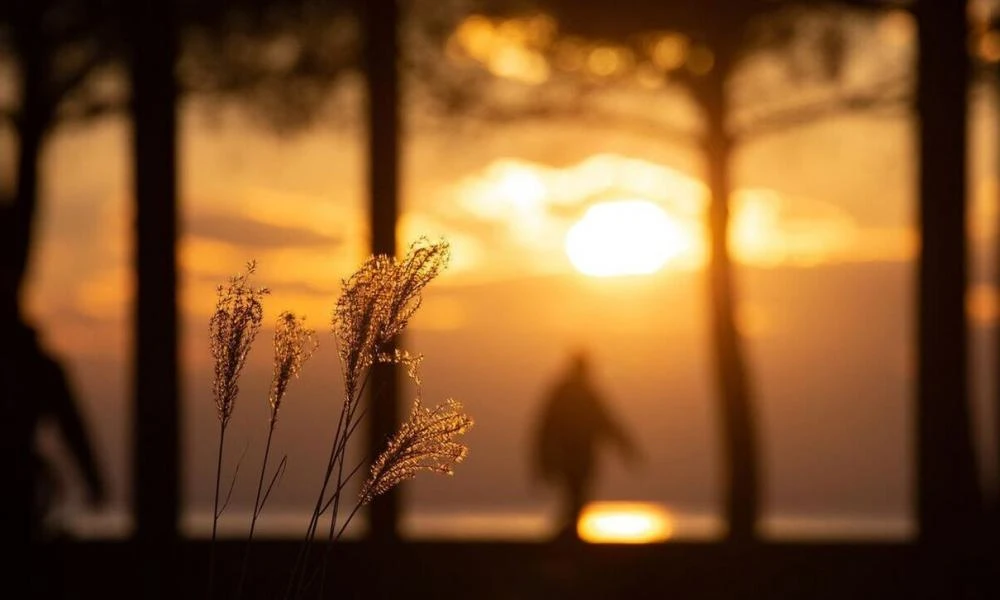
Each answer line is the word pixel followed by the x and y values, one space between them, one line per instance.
pixel 616 433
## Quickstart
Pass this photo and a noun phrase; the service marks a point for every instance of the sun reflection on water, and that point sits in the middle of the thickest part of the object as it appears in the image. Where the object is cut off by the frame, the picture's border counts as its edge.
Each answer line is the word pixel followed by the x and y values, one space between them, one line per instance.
pixel 625 523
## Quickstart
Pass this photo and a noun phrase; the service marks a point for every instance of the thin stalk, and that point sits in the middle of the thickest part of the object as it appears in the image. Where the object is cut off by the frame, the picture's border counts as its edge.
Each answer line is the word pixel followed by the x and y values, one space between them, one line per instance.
pixel 344 429
pixel 337 463
pixel 343 433
pixel 215 513
pixel 257 506
pixel 352 424
pixel 347 480
pixel 340 481
pixel 317 511
pixel 335 538
pixel 333 516
pixel 347 521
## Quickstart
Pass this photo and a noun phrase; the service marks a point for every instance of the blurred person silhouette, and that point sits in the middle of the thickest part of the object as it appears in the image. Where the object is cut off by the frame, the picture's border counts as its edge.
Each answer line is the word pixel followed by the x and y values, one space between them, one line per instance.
pixel 574 423
pixel 35 395
pixel 43 390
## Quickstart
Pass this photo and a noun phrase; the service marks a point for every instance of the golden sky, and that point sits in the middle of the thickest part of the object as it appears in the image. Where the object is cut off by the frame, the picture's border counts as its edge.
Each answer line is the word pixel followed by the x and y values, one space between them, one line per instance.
pixel 530 208
pixel 837 191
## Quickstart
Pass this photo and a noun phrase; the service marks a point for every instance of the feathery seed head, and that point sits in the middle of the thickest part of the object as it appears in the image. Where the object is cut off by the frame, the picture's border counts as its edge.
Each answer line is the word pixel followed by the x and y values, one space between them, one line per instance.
pixel 377 303
pixel 425 442
pixel 403 357
pixel 293 345
pixel 233 327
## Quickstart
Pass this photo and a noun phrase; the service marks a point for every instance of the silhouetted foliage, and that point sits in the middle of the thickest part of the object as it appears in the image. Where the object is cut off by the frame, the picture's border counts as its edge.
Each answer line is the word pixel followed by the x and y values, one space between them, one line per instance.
pixel 280 59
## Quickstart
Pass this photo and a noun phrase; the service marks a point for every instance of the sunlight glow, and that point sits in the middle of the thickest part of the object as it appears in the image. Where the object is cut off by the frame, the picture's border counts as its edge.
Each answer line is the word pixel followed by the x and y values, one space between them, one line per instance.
pixel 646 216
pixel 625 523
pixel 513 193
pixel 626 237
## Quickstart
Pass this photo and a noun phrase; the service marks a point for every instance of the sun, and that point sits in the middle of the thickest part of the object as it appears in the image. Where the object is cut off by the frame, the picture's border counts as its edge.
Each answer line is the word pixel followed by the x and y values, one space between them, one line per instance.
pixel 624 237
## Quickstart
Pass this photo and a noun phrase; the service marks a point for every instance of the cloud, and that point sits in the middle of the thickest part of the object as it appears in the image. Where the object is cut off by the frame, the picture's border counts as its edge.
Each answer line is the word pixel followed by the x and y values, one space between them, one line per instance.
pixel 240 230
pixel 519 212
pixel 770 228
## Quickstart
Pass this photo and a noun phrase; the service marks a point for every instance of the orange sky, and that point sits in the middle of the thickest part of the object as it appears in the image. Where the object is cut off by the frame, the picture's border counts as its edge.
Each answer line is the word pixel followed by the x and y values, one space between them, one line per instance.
pixel 836 191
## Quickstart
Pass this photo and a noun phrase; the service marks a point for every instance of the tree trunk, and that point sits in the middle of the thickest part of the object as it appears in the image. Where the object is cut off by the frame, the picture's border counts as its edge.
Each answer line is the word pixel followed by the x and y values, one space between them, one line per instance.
pixel 993 503
pixel 737 420
pixel 949 502
pixel 32 122
pixel 31 134
pixel 949 499
pixel 21 519
pixel 156 465
pixel 381 48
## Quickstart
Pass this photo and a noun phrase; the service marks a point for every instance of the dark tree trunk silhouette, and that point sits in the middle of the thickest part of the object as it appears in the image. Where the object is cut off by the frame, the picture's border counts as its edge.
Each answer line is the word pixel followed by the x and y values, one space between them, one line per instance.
pixel 18 429
pixel 156 471
pixel 949 499
pixel 995 502
pixel 738 435
pixel 31 134
pixel 31 123
pixel 381 21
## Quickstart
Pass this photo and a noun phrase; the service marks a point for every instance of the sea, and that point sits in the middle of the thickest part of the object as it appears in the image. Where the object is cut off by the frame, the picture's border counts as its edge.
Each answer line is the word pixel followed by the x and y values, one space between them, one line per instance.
pixel 521 525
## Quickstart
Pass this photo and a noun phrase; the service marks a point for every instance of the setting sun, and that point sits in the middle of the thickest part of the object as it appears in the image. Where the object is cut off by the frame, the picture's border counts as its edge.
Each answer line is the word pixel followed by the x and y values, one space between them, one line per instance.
pixel 626 237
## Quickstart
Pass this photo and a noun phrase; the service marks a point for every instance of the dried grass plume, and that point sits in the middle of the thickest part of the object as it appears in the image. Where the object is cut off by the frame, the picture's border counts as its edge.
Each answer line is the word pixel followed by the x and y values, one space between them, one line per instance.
pixel 427 441
pixel 233 327
pixel 377 303
pixel 294 343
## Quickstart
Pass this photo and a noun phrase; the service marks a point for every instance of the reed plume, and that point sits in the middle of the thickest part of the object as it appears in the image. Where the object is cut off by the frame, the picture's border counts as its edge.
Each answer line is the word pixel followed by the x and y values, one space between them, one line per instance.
pixel 376 304
pixel 427 441
pixel 294 343
pixel 233 327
